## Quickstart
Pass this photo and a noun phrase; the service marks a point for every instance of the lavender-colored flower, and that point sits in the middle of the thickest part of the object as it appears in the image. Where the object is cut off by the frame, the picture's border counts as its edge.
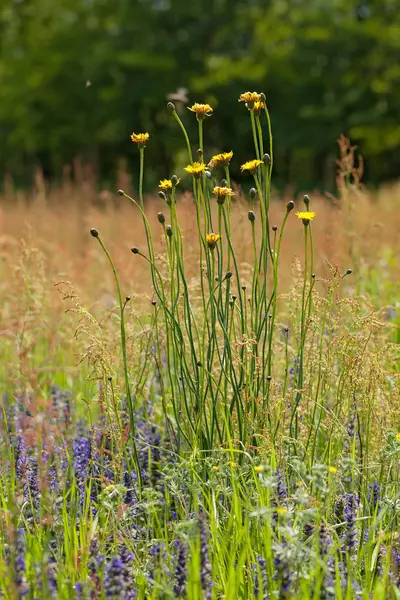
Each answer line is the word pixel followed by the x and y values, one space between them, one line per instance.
pixel 180 570
pixel 127 559
pixel 327 591
pixel 205 565
pixel 31 487
pixel 78 591
pixel 82 452
pixel 20 564
pixel 260 576
pixel 350 507
pixel 374 495
pixel 308 530
pixel 396 560
pixel 21 459
pixel 283 572
pixel 52 579
pixel 114 579
pixel 281 488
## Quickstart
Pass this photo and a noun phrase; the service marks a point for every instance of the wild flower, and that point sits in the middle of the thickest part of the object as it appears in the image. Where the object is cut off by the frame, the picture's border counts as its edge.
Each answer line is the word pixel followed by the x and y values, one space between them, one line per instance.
pixel 20 564
pixel 205 565
pixel 201 110
pixel 140 139
pixel 250 98
pixel 180 570
pixel 113 578
pixel 281 489
pixel 260 576
pixel 374 495
pixel 258 106
pixel 222 192
pixel 306 216
pixel 212 239
pixel 165 185
pixel 220 160
pixel 196 169
pixel 283 571
pixel 350 507
pixel 251 166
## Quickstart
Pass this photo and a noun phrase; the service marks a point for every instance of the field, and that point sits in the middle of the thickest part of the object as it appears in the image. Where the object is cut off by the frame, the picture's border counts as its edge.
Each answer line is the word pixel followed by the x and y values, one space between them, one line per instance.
pixel 200 390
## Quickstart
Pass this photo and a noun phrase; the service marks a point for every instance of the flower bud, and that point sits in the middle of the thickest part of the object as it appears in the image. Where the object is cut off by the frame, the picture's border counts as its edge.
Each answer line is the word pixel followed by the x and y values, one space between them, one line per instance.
pixel 161 218
pixel 234 297
pixel 274 228
pixel 135 250
pixel 94 233
pixel 290 206
pixel 200 154
pixel 266 159
pixel 208 174
pixel 174 180
pixel 168 229
pixel 171 106
pixel 263 98
pixel 349 272
pixel 121 193
pixel 162 196
pixel 127 298
pixel 252 193
pixel 228 275
pixel 251 216
pixel 153 302
pixel 224 183
pixel 306 200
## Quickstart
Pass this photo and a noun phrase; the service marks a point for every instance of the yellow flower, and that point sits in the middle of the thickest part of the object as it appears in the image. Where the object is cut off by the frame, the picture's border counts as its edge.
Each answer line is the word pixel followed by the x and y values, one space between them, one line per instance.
pixel 398 436
pixel 222 193
pixel 212 239
pixel 140 139
pixel 201 110
pixel 166 185
pixel 259 469
pixel 306 217
pixel 332 469
pixel 233 465
pixel 250 98
pixel 258 107
pixel 281 511
pixel 222 159
pixel 215 468
pixel 196 169
pixel 251 166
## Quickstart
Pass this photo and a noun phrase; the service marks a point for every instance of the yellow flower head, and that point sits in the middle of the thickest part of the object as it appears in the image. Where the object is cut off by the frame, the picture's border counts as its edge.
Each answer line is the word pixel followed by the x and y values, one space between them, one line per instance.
pixel 222 159
pixel 250 98
pixel 212 239
pixel 233 465
pixel 215 468
pixel 258 107
pixel 222 193
pixel 281 510
pixel 398 436
pixel 306 217
pixel 259 469
pixel 166 185
pixel 251 166
pixel 140 139
pixel 332 469
pixel 196 169
pixel 202 110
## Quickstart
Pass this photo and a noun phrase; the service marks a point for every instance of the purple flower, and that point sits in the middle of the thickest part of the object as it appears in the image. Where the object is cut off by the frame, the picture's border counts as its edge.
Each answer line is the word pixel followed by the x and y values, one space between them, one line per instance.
pixel 283 571
pixel 281 488
pixel 82 452
pixel 260 576
pixel 20 564
pixel 114 578
pixel 374 495
pixel 180 570
pixel 205 565
pixel 350 507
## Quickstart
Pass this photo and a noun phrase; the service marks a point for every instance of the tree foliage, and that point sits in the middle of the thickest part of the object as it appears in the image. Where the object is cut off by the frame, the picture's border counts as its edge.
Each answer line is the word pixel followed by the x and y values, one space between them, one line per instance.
pixel 77 76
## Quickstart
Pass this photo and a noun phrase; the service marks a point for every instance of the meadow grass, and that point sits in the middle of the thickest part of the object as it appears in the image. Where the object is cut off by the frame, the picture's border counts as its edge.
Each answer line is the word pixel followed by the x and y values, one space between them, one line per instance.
pixel 213 413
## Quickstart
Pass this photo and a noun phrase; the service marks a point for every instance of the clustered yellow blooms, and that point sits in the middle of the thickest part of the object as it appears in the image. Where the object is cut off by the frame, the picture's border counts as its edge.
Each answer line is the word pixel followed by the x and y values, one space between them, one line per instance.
pixel 258 107
pixel 250 98
pixel 212 239
pixel 140 139
pixel 201 110
pixel 220 160
pixel 166 185
pixel 306 217
pixel 222 193
pixel 196 169
pixel 251 166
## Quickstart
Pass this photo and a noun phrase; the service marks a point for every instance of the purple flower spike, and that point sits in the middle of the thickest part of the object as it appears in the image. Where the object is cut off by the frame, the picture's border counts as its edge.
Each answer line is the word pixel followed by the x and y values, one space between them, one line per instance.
pixel 205 565
pixel 180 570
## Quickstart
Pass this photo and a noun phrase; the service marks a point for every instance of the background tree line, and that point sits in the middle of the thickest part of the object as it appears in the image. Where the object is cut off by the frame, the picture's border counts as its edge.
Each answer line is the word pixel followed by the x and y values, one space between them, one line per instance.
pixel 78 76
